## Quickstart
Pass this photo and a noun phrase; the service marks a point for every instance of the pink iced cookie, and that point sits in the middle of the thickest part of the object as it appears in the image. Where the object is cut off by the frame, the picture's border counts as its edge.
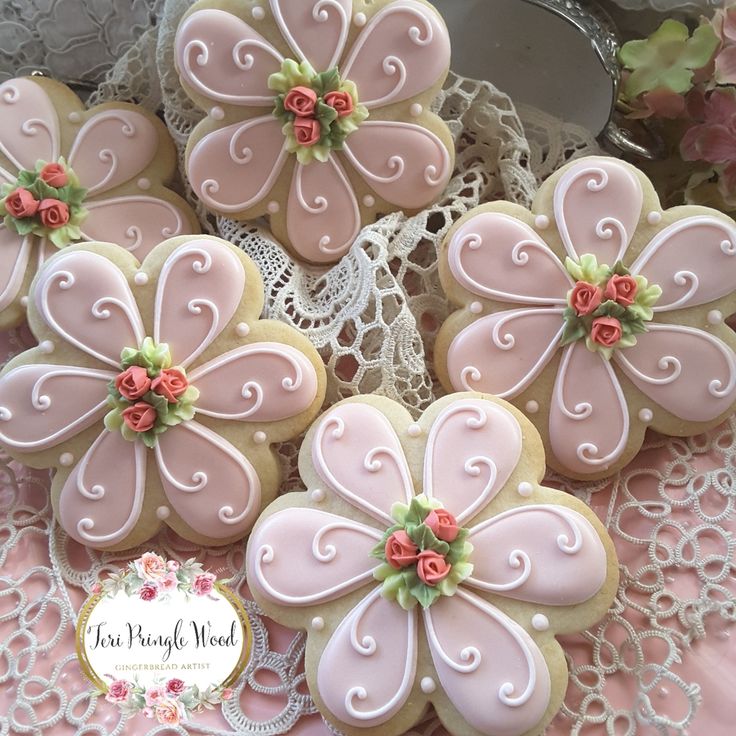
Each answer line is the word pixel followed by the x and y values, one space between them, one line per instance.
pixel 428 565
pixel 318 113
pixel 68 174
pixel 597 314
pixel 156 392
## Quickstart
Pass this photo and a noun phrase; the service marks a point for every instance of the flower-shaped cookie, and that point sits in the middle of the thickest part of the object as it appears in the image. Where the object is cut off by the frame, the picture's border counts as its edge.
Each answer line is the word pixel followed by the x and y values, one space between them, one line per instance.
pixel 191 386
pixel 597 314
pixel 68 174
pixel 429 565
pixel 318 113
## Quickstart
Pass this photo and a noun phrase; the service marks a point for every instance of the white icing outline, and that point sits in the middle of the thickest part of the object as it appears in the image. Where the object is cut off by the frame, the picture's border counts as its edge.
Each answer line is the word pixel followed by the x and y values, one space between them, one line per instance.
pixel 15 280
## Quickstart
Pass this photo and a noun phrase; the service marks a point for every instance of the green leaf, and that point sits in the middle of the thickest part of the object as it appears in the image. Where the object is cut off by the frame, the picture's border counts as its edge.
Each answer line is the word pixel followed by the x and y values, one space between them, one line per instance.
pixel 425 539
pixel 25 179
pixel 574 330
pixel 610 308
pixel 23 226
pixel 328 81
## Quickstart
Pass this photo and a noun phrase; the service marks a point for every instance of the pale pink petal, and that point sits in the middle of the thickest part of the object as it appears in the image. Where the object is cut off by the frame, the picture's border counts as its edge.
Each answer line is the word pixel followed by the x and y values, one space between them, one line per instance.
pixel 728 27
pixel 725 71
pixel 539 553
pixel 318 191
pixel 690 142
pixel 688 372
pixel 357 453
pixel 30 129
pixel 86 300
pixel 490 668
pixel 112 147
pixel 720 106
pixel 137 222
pixel 262 382
pixel 597 204
pixel 208 481
pixel 499 257
pixel 407 165
pixel 588 416
pixel 16 252
pixel 402 52
pixel 472 449
pixel 102 499
pixel 302 556
pixel 235 167
pixel 199 288
pixel 713 143
pixel 316 30
pixel 504 352
pixel 693 261
pixel 222 58
pixel 366 672
pixel 42 405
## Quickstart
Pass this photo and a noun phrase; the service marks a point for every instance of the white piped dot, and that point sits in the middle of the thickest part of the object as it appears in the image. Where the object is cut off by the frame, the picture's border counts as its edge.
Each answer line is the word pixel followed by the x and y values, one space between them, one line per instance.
pixel 540 622
pixel 259 437
pixel 525 489
pixel 317 495
pixel 646 415
pixel 360 19
pixel 144 183
pixel 476 307
pixel 258 12
pixel 163 512
pixel 369 200
pixel 73 117
pixel 217 113
pixel 541 222
pixel 318 623
pixel 532 407
pixel 141 278
pixel 66 459
pixel 242 329
pixel 416 110
pixel 46 347
pixel 654 218
pixel 715 317
pixel 414 430
pixel 273 207
pixel 24 301
pixel 428 685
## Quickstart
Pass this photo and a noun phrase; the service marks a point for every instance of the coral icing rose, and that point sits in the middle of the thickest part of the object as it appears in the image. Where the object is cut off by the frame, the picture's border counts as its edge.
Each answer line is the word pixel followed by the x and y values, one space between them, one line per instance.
pixel 204 583
pixel 140 417
pixel 133 382
pixel 400 550
pixel 342 102
pixel 169 712
pixel 175 686
pixel 606 331
pixel 148 592
pixel 54 175
pixel 53 213
pixel 118 691
pixel 151 566
pixel 432 567
pixel 171 383
pixel 21 203
pixel 621 289
pixel 443 524
pixel 585 298
pixel 308 131
pixel 301 101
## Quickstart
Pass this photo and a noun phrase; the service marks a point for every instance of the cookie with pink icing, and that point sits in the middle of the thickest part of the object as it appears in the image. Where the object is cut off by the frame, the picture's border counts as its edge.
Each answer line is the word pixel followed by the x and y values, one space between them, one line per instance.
pixel 428 565
pixel 318 113
pixel 596 313
pixel 69 174
pixel 156 392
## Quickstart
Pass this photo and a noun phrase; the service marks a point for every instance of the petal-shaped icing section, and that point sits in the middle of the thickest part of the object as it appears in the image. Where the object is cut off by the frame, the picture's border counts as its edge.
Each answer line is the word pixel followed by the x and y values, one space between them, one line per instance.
pixel 504 352
pixel 318 191
pixel 102 498
pixel 137 223
pixel 403 51
pixel 316 30
pixel 111 148
pixel 303 556
pixel 199 288
pixel 16 251
pixel 542 554
pixel 208 481
pixel 499 257
pixel 30 129
pixel 221 57
pixel 693 261
pixel 472 448
pixel 588 416
pixel 43 405
pixel 235 167
pixel 597 205
pixel 85 298
pixel 366 671
pixel 407 165
pixel 688 372
pixel 263 382
pixel 490 668
pixel 356 452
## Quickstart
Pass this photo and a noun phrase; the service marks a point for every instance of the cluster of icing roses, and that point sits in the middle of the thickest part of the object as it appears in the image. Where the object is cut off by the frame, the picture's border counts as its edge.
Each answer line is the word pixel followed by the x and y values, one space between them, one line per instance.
pixel 148 396
pixel 46 202
pixel 607 306
pixel 425 554
pixel 168 701
pixel 318 111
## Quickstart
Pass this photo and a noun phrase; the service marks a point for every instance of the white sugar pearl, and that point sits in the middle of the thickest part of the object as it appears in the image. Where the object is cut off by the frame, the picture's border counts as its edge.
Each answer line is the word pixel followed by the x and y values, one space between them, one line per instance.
pixel 646 415
pixel 359 20
pixel 715 317
pixel 540 622
pixel 541 222
pixel 144 184
pixel 163 512
pixel 368 200
pixel 242 329
pixel 428 685
pixel 476 307
pixel 141 278
pixel 258 12
pixel 654 218
pixel 532 407
pixel 46 347
pixel 416 110
pixel 318 495
pixel 259 437
pixel 414 430
pixel 318 623
pixel 66 459
pixel 525 489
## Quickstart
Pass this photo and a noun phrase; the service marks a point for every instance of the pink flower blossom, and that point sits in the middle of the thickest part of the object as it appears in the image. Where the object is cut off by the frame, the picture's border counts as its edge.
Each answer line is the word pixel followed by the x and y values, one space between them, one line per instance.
pixel 154 695
pixel 148 592
pixel 118 691
pixel 204 583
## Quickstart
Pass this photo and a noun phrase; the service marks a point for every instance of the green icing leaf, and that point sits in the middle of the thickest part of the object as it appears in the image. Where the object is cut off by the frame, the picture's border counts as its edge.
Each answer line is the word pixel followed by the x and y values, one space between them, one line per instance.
pixel 574 327
pixel 424 538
